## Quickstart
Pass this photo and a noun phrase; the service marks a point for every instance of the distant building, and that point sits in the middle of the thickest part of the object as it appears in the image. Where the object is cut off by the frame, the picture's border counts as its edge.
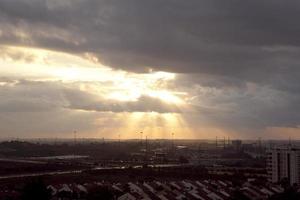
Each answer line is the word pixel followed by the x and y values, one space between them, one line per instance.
pixel 236 144
pixel 160 156
pixel 248 147
pixel 284 163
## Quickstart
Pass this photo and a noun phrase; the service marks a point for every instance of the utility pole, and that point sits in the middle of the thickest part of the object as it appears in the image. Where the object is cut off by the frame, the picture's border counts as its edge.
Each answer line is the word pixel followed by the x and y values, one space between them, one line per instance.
pixel 199 148
pixel 259 145
pixel 75 137
pixel 141 138
pixel 146 148
pixel 173 142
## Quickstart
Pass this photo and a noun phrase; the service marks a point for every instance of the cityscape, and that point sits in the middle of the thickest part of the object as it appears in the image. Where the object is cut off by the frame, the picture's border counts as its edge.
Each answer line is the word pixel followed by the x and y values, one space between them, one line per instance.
pixel 150 169
pixel 149 100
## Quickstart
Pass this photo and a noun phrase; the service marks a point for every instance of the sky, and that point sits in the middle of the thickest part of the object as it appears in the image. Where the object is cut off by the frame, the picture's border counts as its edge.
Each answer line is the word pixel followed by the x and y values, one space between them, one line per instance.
pixel 135 68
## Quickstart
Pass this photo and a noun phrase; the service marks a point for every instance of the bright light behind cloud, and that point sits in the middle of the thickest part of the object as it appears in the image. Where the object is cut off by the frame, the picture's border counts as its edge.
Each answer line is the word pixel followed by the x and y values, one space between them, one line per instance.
pixel 38 64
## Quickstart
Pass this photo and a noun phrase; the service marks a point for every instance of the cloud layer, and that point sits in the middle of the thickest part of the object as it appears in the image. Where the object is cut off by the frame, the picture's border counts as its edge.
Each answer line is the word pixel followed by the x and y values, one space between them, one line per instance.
pixel 236 61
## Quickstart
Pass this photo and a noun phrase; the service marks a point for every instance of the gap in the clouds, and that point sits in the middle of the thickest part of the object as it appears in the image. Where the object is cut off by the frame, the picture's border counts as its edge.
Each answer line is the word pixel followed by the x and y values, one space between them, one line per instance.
pixel 48 65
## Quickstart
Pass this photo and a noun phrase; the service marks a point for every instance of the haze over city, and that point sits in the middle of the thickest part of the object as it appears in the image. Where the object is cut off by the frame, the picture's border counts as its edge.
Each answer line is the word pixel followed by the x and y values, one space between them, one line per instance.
pixel 107 68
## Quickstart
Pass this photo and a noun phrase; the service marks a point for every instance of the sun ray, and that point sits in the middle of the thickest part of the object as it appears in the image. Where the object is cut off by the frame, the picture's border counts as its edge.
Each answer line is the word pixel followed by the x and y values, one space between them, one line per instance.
pixel 153 125
pixel 88 74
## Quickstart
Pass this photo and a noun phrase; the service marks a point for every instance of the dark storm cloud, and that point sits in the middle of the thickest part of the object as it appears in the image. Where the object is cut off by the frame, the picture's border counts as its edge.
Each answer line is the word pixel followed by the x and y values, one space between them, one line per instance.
pixel 234 102
pixel 232 38
pixel 28 96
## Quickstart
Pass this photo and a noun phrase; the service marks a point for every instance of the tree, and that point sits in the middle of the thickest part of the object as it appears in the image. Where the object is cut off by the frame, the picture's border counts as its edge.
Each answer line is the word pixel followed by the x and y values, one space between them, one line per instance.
pixel 35 190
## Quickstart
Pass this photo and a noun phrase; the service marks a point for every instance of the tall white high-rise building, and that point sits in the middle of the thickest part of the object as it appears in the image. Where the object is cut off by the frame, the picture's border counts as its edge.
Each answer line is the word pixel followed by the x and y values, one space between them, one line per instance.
pixel 284 163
